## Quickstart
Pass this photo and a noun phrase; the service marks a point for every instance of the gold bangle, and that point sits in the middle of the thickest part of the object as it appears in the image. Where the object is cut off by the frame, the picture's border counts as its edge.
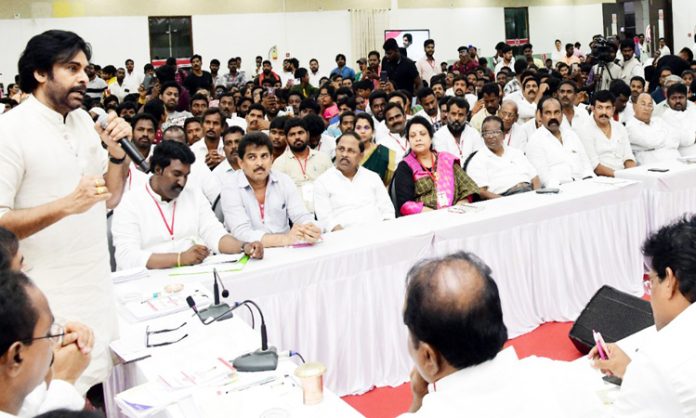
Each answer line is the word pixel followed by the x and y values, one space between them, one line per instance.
pixel 178 260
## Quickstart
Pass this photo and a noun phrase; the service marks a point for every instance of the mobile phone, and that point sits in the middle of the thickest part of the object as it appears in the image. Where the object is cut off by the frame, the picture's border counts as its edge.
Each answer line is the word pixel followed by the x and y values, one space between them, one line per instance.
pixel 548 190
pixel 658 170
pixel 383 76
pixel 614 380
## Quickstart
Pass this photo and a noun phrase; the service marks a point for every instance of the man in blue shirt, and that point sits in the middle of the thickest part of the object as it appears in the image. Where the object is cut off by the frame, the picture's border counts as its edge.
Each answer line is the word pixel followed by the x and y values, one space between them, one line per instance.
pixel 342 69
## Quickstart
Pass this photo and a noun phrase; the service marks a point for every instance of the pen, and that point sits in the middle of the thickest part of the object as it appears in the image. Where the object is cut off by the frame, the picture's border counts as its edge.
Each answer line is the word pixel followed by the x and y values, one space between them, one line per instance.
pixel 601 346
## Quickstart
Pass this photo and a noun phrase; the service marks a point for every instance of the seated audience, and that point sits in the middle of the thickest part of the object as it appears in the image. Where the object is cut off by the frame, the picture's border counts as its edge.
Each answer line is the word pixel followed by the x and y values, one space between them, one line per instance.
pixel 348 194
pixel 489 103
pixel 514 135
pixel 376 157
pixel 276 133
pixel 430 110
pixel 659 378
pixel 166 224
pixel 681 119
pixel 259 202
pixel 573 116
pixel 210 150
pixel 169 95
pixel 497 169
pixel 606 141
pixel 457 137
pixel 230 140
pixel 651 138
pixel 393 137
pixel 40 360
pixel 302 163
pixel 427 179
pixel 558 156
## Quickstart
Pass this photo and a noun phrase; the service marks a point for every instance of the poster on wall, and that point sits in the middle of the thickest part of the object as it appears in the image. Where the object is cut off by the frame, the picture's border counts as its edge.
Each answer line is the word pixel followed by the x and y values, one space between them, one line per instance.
pixel 409 39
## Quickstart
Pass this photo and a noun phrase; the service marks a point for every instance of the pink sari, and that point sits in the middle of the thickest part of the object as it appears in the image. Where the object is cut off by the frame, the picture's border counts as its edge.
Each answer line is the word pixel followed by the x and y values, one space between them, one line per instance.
pixel 444 180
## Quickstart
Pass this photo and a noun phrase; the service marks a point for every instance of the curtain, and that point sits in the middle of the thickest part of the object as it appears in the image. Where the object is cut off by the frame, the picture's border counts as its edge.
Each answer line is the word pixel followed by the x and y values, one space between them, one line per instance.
pixel 367 31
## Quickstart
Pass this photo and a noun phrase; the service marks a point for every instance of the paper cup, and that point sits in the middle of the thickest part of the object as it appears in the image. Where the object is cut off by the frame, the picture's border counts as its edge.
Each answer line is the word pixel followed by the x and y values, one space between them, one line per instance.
pixel 311 376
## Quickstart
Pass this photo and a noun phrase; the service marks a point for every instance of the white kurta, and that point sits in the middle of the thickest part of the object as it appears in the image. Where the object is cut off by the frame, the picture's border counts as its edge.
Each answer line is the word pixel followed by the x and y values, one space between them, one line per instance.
pixel 469 142
pixel 58 395
pixel 499 174
pixel 144 224
pixel 660 381
pixel 342 201
pixel 517 137
pixel 42 158
pixel 394 142
pixel 610 152
pixel 653 142
pixel 683 127
pixel 557 162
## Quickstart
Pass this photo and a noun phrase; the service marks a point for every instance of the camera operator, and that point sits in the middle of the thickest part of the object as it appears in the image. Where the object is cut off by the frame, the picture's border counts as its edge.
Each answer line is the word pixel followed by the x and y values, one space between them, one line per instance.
pixel 605 68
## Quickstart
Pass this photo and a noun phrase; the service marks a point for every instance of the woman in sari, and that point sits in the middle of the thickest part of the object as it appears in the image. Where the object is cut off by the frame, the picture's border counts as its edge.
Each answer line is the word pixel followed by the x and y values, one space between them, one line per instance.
pixel 377 158
pixel 425 179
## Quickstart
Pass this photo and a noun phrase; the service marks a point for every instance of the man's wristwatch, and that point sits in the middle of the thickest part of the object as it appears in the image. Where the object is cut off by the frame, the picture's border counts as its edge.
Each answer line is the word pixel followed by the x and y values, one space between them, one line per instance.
pixel 117 161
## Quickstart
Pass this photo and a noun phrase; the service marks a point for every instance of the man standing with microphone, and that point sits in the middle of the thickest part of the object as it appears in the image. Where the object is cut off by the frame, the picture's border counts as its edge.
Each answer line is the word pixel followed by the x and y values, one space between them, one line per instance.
pixel 59 173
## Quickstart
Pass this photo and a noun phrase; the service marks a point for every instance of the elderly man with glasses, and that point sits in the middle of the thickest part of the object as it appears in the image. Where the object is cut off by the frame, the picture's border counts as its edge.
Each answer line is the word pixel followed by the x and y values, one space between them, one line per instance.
pixel 500 170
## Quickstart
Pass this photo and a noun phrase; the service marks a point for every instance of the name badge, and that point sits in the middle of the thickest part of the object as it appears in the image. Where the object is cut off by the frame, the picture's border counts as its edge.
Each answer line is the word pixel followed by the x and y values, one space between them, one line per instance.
pixel 442 200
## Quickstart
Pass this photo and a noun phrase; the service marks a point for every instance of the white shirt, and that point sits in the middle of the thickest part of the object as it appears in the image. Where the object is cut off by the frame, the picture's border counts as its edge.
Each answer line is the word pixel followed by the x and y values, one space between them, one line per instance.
pixel 652 142
pixel 627 113
pixel 557 55
pixel 237 121
pixel 469 141
pixel 526 110
pixel 244 217
pixel 683 126
pixel 223 171
pixel 665 51
pixel 499 174
pixel 660 381
pixel 427 69
pixel 314 78
pixel 501 387
pixel 339 200
pixel 500 65
pixel 42 158
pixel 144 224
pixel 200 149
pixel 327 145
pixel 557 162
pixel 58 395
pixel 580 117
pixel 437 119
pixel 119 90
pixel 610 152
pixel 202 179
pixel 630 69
pixel 517 137
pixel 176 118
pixel 395 142
pixel 132 81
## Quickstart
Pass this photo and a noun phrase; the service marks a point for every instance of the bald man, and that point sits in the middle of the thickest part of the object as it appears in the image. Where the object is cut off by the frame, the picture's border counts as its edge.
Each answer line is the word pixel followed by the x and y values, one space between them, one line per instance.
pixel 651 138
pixel 456 334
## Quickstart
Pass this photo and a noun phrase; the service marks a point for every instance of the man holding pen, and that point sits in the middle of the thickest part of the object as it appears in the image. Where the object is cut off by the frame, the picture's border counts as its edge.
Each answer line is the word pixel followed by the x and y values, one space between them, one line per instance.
pixel 660 378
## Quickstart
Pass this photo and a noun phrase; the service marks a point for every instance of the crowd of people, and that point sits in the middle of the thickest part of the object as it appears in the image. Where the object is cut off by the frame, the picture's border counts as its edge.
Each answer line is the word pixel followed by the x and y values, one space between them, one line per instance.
pixel 241 162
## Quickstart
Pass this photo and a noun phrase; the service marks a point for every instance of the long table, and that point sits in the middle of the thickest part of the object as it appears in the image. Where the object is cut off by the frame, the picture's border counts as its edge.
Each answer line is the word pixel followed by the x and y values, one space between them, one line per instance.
pixel 340 301
pixel 668 195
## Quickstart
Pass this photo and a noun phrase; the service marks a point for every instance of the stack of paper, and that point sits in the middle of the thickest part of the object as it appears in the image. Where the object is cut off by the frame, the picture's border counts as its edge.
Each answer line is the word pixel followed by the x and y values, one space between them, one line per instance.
pixel 147 399
pixel 163 303
pixel 130 274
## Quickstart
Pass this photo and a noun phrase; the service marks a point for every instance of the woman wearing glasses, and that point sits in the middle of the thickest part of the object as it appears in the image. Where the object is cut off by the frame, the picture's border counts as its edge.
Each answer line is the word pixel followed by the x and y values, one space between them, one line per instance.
pixel 426 179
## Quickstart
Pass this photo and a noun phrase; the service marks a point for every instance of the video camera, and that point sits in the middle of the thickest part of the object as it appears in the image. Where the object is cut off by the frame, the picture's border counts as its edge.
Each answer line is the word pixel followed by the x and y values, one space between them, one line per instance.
pixel 602 49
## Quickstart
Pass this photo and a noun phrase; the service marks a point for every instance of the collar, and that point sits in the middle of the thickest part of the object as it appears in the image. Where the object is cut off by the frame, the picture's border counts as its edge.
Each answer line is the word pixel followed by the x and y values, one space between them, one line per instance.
pixel 150 192
pixel 46 112
pixel 312 152
pixel 244 181
pixel 338 173
pixel 470 376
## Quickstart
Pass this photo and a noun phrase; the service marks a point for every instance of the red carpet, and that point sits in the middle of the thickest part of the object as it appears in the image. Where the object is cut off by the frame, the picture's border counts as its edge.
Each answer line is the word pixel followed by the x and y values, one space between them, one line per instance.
pixel 549 340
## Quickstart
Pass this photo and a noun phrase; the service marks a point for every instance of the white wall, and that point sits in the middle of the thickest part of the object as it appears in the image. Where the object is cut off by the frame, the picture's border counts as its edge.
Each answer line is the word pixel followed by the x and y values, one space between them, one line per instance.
pixel 684 19
pixel 570 24
pixel 113 39
pixel 303 35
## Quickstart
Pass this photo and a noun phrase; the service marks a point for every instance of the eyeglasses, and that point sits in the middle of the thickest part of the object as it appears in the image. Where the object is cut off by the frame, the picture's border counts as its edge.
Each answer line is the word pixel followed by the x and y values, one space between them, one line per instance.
pixel 162 331
pixel 491 134
pixel 55 335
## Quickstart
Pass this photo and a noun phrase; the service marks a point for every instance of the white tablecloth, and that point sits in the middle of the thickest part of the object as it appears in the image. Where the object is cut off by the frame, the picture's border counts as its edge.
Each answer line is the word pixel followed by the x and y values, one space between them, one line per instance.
pixel 668 195
pixel 340 302
pixel 226 340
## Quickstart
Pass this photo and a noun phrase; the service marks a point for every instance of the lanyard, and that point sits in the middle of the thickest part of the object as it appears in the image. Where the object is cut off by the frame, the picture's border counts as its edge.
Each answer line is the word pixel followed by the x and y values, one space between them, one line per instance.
pixel 432 168
pixel 303 167
pixel 263 213
pixel 398 141
pixel 170 229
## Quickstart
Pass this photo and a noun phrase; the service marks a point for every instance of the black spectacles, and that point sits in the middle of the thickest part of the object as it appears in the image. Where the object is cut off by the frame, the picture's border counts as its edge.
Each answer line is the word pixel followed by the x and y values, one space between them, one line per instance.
pixel 148 332
pixel 55 335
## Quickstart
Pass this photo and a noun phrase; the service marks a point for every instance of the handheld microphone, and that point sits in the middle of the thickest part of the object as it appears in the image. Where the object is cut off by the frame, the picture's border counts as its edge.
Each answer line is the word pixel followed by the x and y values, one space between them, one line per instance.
pixel 127 146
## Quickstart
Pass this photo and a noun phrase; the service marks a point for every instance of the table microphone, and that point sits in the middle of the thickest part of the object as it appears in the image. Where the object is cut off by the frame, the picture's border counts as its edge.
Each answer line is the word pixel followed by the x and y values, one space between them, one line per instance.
pixel 127 146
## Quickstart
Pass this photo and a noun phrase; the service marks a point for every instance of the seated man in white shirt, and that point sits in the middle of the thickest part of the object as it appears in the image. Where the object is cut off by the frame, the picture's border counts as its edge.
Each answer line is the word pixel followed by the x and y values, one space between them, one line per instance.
pixel 514 134
pixel 457 137
pixel 430 110
pixel 39 359
pixel 230 140
pixel 659 380
pixel 606 141
pixel 209 149
pixel 573 116
pixel 259 203
pixel 349 194
pixel 558 156
pixel 527 100
pixel 393 138
pixel 500 170
pixel 652 140
pixel 166 224
pixel 456 334
pixel 681 119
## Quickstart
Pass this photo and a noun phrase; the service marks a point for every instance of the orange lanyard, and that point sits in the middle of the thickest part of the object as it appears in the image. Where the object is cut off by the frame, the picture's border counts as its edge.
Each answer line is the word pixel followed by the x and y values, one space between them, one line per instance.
pixel 170 228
